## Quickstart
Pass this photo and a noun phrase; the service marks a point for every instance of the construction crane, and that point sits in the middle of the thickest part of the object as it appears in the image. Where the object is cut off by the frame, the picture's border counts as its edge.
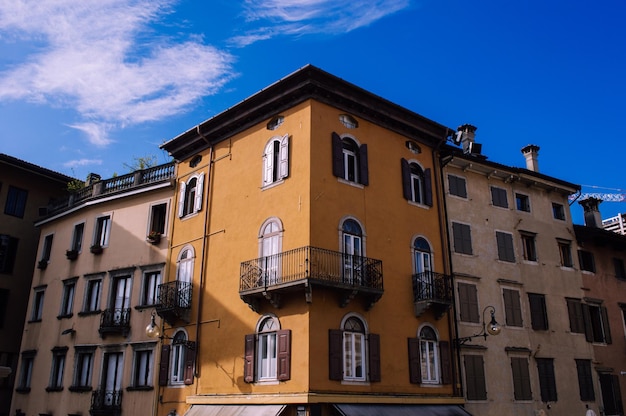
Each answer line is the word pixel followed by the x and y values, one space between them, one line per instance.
pixel 602 196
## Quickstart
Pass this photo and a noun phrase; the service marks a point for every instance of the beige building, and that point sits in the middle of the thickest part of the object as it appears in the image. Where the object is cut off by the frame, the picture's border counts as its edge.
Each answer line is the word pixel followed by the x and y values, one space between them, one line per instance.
pixel 309 271
pixel 101 257
pixel 24 189
pixel 514 254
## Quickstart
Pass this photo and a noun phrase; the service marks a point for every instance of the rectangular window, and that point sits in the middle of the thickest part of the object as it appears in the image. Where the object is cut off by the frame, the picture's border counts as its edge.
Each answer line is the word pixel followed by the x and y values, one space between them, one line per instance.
pixel 142 368
pixel 158 218
pixel 498 197
pixel 37 308
pixel 83 368
pixel 468 303
pixel 575 312
pixel 67 301
pixel 475 377
pixel 598 318
pixel 77 237
pixel 504 242
pixel 56 372
pixel 47 248
pixel 547 381
pixel 585 380
pixel 565 250
pixel 558 211
pixel 521 379
pixel 16 202
pixel 26 371
pixel 620 272
pixel 530 249
pixel 538 312
pixel 456 186
pixel 522 202
pixel 587 262
pixel 512 307
pixel 151 282
pixel 101 234
pixel 8 250
pixel 4 303
pixel 462 238
pixel 92 295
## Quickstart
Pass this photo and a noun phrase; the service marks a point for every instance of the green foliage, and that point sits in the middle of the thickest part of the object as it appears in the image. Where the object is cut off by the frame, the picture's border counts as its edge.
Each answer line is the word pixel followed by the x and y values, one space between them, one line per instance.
pixel 75 185
pixel 142 162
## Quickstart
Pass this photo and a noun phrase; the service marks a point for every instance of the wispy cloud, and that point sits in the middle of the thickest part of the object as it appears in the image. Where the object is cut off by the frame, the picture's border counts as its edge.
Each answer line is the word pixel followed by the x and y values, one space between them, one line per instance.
pixel 81 163
pixel 99 58
pixel 299 17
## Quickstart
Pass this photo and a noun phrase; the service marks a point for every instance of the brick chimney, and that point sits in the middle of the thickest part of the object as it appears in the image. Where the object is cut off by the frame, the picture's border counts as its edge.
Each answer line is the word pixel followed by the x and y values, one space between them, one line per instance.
pixel 531 152
pixel 592 212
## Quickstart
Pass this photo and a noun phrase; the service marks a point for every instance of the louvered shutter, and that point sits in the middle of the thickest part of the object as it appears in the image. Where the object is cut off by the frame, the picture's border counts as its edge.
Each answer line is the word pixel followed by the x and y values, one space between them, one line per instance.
pixel 248 369
pixel 406 179
pixel 268 162
pixel 284 157
pixel 284 354
pixel 446 362
pixel 587 322
pixel 374 357
pixel 415 367
pixel 164 366
pixel 190 362
pixel 363 165
pixel 335 354
pixel 181 199
pixel 605 326
pixel 338 170
pixel 197 204
pixel 428 188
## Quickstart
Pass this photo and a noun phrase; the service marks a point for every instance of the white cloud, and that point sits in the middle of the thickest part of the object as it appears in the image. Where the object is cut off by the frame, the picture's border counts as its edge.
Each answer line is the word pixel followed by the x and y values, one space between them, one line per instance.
pixel 82 163
pixel 89 57
pixel 298 17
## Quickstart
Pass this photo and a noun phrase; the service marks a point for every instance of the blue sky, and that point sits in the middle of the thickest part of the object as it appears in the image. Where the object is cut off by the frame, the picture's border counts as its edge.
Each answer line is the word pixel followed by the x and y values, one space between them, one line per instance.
pixel 90 85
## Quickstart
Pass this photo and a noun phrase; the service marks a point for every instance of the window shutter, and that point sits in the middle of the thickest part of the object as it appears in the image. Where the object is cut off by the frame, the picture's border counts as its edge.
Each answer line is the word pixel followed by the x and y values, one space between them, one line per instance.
pixel 363 165
pixel 284 157
pixel 181 199
pixel 475 377
pixel 197 205
pixel 268 161
pixel 164 366
pixel 335 354
pixel 337 156
pixel 190 362
pixel 406 179
pixel 446 362
pixel 605 326
pixel 374 357
pixel 415 367
pixel 248 369
pixel 284 354
pixel 468 303
pixel 428 188
pixel 538 317
pixel 587 322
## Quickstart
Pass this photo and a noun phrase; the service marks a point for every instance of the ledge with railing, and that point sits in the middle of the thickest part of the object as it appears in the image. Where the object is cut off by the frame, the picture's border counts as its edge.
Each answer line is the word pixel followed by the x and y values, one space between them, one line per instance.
pixel 115 321
pixel 271 276
pixel 174 301
pixel 432 290
pixel 106 403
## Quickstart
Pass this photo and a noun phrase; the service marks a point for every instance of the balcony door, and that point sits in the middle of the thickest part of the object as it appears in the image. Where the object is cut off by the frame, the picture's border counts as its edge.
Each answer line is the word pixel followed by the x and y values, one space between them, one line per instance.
pixel 112 378
pixel 352 252
pixel 122 293
pixel 270 252
pixel 422 264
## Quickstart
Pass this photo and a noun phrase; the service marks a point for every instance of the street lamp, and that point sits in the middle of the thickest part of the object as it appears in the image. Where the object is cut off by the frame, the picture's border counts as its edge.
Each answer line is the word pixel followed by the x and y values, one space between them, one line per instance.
pixel 493 328
pixel 152 330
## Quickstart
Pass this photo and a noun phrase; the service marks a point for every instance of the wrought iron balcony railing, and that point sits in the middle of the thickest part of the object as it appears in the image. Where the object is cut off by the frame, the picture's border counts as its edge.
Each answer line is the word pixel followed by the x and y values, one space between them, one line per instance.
pixel 306 266
pixel 106 403
pixel 432 289
pixel 174 300
pixel 115 321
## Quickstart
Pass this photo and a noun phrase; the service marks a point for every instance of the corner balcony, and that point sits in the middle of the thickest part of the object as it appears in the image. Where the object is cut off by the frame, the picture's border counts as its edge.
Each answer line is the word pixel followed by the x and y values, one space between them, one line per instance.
pixel 106 403
pixel 270 278
pixel 115 321
pixel 432 291
pixel 174 301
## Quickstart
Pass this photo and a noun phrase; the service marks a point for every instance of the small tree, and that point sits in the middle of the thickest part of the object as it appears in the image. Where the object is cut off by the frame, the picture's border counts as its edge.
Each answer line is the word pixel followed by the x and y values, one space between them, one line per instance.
pixel 143 162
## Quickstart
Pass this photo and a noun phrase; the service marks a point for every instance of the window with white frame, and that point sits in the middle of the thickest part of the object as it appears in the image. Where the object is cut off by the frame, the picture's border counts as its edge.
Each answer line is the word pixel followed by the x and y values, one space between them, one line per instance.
pixel 422 266
pixel 158 218
pixel 47 248
pixel 150 287
pixel 83 368
pixel 270 247
pixel 56 371
pixel 102 230
pixel 565 251
pixel 37 306
pixel 92 294
pixel 190 195
pixel 26 371
pixel 268 352
pixel 353 250
pixel 142 366
pixel 522 202
pixel 529 245
pixel 266 349
pixel 350 160
pixel 77 237
pixel 177 366
pixel 429 355
pixel 276 160
pixel 184 265
pixel 178 361
pixel 354 350
pixel 67 299
pixel 416 183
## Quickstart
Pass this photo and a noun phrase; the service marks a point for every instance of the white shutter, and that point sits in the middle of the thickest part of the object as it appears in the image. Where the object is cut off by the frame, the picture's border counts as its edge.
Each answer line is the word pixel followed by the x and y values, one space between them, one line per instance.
pixel 284 157
pixel 181 199
pixel 197 206
pixel 268 162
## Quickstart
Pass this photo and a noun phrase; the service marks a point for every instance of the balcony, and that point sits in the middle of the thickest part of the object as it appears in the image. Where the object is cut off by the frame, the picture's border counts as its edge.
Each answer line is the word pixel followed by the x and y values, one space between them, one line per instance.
pixel 432 291
pixel 106 403
pixel 115 321
pixel 269 278
pixel 174 301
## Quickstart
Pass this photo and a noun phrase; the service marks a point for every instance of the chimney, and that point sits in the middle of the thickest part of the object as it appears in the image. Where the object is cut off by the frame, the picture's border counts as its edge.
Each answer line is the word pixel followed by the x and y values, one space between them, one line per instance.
pixel 592 212
pixel 531 152
pixel 468 134
pixel 92 178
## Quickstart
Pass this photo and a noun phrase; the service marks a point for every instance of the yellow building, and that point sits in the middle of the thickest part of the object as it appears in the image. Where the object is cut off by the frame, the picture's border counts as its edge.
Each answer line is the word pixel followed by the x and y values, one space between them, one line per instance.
pixel 308 269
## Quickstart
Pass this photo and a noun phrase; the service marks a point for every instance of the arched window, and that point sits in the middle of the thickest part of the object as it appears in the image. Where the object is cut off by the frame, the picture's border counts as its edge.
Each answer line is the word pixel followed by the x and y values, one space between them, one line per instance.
pixel 190 195
pixel 184 266
pixel 276 160
pixel 350 160
pixel 352 249
pixel 178 358
pixel 268 352
pixel 354 349
pixel 270 248
pixel 354 353
pixel 422 265
pixel 416 183
pixel 429 355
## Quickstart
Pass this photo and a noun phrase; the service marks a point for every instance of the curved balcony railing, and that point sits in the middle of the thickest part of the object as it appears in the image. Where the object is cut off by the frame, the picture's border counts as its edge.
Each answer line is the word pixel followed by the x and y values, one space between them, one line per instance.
pixel 174 300
pixel 432 286
pixel 115 321
pixel 106 402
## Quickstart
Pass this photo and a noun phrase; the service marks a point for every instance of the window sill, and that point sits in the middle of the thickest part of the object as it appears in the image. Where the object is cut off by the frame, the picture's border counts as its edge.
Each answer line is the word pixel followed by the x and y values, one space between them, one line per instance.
pixel 32 321
pixel 143 307
pixel 22 390
pixel 139 388
pixel 69 315
pixel 355 382
pixel 273 184
pixel 80 389
pixel 87 313
pixel 53 389
pixel 354 184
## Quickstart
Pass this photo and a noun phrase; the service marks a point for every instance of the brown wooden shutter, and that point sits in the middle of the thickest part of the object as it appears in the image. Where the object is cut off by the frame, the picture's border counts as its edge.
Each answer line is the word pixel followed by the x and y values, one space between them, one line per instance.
pixel 374 357
pixel 335 354
pixel 406 179
pixel 283 354
pixel 605 326
pixel 190 362
pixel 164 366
pixel 446 362
pixel 415 366
pixel 248 368
pixel 363 166
pixel 587 321
pixel 428 188
pixel 338 170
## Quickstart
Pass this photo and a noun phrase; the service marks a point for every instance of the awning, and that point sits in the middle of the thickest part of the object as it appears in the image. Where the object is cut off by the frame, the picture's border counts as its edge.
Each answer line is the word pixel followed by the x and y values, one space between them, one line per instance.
pixel 400 410
pixel 233 410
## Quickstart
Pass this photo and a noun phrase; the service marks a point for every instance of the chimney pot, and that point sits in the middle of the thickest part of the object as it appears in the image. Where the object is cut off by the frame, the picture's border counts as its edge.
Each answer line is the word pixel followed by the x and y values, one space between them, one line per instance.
pixel 592 212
